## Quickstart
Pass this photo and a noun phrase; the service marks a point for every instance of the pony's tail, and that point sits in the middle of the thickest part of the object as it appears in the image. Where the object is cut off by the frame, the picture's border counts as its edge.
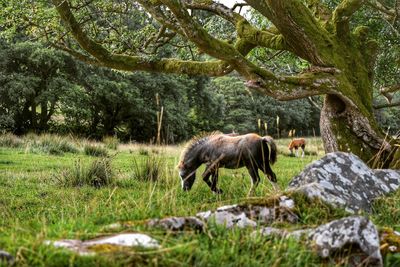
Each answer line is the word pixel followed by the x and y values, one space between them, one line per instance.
pixel 273 150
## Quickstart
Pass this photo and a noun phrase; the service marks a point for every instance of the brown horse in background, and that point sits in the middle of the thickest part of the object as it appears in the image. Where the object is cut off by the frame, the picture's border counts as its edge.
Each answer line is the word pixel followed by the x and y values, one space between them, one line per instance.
pixel 229 151
pixel 296 143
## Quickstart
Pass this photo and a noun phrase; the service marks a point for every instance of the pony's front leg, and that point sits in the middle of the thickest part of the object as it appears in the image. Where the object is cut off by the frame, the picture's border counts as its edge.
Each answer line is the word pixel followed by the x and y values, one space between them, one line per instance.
pixel 303 153
pixel 214 182
pixel 255 179
pixel 206 176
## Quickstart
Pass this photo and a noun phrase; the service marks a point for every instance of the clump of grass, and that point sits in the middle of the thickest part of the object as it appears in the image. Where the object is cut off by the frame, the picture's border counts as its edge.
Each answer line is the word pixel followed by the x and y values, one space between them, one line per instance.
pixel 143 151
pixel 95 150
pixel 51 144
pixel 111 142
pixel 99 173
pixel 151 169
pixel 10 140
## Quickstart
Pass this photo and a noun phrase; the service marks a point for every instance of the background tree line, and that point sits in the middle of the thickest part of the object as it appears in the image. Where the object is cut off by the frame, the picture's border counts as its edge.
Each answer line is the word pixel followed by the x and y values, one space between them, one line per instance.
pixel 46 90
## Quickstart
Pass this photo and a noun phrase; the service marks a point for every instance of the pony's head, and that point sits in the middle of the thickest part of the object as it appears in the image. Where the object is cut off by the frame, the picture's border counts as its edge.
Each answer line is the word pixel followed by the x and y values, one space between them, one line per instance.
pixel 187 174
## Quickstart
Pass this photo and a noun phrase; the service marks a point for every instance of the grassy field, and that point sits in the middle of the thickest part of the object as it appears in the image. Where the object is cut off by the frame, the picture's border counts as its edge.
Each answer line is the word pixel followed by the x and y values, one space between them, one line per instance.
pixel 39 201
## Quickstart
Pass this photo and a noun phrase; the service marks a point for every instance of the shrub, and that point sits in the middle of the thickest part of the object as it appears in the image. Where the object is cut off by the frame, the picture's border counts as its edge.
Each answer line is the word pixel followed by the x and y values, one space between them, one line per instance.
pixel 95 150
pixel 99 173
pixel 143 151
pixel 50 144
pixel 10 140
pixel 150 171
pixel 111 142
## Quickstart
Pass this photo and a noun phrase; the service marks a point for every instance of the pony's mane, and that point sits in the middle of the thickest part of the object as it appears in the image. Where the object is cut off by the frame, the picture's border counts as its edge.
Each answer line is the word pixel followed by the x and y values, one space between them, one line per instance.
pixel 196 140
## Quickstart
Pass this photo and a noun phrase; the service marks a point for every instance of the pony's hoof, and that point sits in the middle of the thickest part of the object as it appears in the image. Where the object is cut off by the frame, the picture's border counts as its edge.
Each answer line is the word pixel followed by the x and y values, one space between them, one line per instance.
pixel 218 191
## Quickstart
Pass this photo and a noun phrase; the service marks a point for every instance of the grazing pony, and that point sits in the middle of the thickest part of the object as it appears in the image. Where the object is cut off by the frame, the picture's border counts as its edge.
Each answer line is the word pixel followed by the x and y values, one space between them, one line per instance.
pixel 230 151
pixel 296 143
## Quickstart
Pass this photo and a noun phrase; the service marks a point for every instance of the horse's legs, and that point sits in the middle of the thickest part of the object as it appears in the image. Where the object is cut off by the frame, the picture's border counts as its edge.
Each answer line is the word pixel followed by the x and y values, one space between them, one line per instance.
pixel 266 168
pixel 302 148
pixel 297 152
pixel 255 178
pixel 206 176
pixel 214 181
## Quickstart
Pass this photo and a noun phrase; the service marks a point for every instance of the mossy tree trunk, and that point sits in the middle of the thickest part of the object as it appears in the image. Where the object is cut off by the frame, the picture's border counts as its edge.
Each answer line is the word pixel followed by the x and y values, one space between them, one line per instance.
pixel 342 61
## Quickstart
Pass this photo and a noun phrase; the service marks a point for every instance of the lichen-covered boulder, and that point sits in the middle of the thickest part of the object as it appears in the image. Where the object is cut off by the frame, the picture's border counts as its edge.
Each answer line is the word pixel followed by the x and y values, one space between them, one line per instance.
pixel 252 215
pixel 89 247
pixel 344 180
pixel 6 258
pixel 354 232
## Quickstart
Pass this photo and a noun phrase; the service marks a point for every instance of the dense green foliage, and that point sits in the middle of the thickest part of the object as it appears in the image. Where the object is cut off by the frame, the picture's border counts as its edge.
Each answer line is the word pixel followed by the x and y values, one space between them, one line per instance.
pixel 44 89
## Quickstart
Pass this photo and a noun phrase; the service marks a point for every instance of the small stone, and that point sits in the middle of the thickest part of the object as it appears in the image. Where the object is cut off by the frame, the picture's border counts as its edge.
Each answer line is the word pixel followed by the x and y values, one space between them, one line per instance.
pixel 118 240
pixel 177 223
pixel 6 257
pixel 127 240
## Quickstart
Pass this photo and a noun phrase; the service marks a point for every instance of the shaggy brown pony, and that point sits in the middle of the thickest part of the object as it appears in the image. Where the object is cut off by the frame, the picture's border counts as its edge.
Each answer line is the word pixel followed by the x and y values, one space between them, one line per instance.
pixel 296 143
pixel 219 150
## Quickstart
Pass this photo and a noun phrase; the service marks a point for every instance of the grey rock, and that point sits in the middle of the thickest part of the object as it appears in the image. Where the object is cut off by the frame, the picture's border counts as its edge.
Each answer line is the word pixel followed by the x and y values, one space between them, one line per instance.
pixel 6 258
pixel 251 215
pixel 344 180
pixel 122 240
pixel 355 231
pixel 177 223
pixel 336 236
pixel 272 231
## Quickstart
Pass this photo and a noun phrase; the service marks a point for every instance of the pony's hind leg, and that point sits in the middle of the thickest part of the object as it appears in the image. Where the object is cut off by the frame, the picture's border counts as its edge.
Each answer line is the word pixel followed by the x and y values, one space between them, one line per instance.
pixel 255 179
pixel 302 148
pixel 269 172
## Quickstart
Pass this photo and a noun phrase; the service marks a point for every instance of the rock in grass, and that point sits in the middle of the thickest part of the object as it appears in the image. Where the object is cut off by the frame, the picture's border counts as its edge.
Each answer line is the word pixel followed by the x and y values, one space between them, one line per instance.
pixel 252 215
pixel 356 233
pixel 247 215
pixel 107 243
pixel 344 180
pixel 6 258
pixel 177 223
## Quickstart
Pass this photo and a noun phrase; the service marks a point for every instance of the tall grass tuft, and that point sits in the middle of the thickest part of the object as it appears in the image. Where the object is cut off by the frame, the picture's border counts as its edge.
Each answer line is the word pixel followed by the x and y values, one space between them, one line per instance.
pixel 98 173
pixel 50 144
pixel 151 169
pixel 111 142
pixel 95 150
pixel 10 140
pixel 143 151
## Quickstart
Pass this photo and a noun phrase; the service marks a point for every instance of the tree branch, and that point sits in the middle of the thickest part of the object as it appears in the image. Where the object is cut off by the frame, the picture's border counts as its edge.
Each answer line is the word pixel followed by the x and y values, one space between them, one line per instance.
pixel 377 5
pixel 216 8
pixel 312 101
pixel 388 105
pixel 207 43
pixel 319 9
pixel 102 57
pixel 341 16
pixel 390 89
pixel 231 57
pixel 244 29
pixel 297 25
pixel 295 87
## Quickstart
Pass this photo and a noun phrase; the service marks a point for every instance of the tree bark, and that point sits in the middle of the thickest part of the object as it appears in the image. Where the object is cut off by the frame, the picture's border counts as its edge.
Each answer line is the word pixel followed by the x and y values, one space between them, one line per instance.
pixel 345 128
